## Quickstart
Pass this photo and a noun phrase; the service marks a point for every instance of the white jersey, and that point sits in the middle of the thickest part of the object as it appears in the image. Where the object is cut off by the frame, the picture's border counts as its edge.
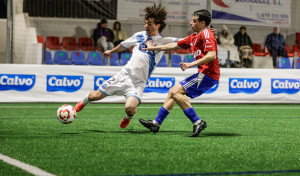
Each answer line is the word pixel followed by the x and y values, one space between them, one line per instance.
pixel 143 62
pixel 132 79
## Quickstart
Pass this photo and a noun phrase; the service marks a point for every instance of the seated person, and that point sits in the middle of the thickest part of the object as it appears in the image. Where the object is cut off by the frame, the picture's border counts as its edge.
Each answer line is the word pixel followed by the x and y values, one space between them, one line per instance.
pixel 120 35
pixel 276 45
pixel 244 44
pixel 103 36
pixel 227 43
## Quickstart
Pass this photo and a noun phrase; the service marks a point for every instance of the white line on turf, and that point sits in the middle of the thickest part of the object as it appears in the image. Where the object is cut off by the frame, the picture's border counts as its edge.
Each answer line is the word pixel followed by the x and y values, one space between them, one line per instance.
pixel 155 107
pixel 31 169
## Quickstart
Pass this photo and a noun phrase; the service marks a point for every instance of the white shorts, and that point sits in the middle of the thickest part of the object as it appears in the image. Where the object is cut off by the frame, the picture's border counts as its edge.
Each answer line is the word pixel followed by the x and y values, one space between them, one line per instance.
pixel 122 84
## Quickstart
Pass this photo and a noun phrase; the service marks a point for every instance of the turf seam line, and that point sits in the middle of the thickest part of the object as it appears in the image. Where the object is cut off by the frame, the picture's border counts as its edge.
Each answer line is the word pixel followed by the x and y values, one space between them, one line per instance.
pixel 26 167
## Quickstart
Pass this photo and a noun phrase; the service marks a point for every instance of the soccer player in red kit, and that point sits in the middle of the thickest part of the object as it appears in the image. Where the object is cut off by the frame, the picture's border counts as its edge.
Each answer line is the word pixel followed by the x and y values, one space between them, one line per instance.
pixel 203 45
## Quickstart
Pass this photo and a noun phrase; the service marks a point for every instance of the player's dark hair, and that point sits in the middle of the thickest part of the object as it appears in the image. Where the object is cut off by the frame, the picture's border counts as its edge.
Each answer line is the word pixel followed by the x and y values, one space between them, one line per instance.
pixel 203 15
pixel 159 14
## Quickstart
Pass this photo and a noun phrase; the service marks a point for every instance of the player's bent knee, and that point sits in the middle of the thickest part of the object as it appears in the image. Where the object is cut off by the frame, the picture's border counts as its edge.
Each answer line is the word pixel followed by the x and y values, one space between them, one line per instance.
pixel 177 93
pixel 173 92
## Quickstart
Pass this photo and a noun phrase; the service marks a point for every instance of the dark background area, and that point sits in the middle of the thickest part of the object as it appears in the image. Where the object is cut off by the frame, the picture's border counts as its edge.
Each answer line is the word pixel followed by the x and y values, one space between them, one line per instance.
pixel 3 9
pixel 96 9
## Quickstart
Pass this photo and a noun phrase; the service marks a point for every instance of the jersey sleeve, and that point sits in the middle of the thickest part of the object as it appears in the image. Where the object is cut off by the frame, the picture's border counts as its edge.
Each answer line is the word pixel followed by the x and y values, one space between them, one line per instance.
pixel 167 40
pixel 130 41
pixel 185 43
pixel 210 43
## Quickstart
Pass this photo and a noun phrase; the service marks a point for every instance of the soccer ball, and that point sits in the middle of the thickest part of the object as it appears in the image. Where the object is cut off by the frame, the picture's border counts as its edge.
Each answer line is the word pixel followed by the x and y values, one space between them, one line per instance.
pixel 66 114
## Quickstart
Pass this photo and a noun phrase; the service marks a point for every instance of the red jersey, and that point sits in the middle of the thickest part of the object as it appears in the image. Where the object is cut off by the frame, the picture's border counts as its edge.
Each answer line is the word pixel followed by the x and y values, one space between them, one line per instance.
pixel 200 44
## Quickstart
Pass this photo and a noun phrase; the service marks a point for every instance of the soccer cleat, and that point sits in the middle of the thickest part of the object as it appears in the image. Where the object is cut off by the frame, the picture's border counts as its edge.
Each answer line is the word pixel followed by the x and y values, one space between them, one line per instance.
pixel 79 106
pixel 198 128
pixel 149 124
pixel 124 123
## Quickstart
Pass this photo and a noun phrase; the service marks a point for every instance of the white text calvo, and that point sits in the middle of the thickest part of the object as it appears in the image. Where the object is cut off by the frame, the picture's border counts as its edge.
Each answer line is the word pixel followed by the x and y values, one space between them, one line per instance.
pixel 277 84
pixel 64 82
pixel 5 80
pixel 244 84
pixel 159 84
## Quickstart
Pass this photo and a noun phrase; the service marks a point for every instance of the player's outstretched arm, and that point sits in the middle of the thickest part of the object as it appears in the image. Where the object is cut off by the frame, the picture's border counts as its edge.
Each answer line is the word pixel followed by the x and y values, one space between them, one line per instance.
pixel 210 56
pixel 170 46
pixel 116 49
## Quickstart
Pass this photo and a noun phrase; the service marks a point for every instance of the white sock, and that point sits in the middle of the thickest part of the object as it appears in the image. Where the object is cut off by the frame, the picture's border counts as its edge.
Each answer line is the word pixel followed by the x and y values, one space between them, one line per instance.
pixel 197 122
pixel 128 117
pixel 155 123
pixel 86 101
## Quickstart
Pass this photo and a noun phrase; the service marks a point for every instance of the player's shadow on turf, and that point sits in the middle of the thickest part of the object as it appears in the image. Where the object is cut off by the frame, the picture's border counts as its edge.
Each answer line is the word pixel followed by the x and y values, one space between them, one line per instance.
pixel 202 134
pixel 170 132
pixel 129 131
pixel 219 134
pixel 70 133
pixel 96 131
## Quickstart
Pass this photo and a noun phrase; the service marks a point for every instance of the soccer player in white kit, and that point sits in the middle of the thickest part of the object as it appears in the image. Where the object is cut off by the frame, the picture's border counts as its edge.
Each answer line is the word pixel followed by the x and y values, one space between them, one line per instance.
pixel 131 80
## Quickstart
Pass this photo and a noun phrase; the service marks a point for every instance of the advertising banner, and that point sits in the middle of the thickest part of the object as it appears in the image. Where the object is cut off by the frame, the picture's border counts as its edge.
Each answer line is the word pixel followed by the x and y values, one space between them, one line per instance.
pixel 66 84
pixel 244 12
pixel 255 12
pixel 178 10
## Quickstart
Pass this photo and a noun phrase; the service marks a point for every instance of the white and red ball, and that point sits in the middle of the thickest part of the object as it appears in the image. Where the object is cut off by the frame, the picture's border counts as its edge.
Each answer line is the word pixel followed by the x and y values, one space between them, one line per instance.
pixel 66 114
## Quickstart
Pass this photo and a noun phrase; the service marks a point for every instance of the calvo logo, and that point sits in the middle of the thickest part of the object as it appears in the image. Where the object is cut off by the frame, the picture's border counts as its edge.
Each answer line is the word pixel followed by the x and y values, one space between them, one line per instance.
pixel 18 82
pixel 159 84
pixel 244 85
pixel 154 84
pixel 65 83
pixel 289 86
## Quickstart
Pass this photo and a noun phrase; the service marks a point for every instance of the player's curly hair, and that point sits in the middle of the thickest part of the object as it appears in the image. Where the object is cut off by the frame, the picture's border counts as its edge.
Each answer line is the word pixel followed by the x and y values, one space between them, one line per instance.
pixel 159 13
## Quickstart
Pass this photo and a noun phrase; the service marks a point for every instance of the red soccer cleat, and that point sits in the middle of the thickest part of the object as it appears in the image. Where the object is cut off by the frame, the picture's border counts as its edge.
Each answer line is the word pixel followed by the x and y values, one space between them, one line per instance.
pixel 124 123
pixel 79 106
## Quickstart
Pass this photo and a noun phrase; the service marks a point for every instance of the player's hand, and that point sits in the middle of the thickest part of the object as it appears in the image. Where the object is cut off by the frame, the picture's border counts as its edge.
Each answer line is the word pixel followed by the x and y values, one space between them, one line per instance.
pixel 150 46
pixel 215 31
pixel 107 53
pixel 185 65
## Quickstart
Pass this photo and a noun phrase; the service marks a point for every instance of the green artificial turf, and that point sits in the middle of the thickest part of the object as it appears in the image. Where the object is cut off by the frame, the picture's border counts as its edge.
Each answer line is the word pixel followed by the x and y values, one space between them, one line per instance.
pixel 239 139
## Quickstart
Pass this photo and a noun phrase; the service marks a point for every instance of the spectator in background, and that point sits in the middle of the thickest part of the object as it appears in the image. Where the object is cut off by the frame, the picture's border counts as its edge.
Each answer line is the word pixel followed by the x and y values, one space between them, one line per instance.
pixel 103 36
pixel 244 44
pixel 119 34
pixel 227 43
pixel 276 45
